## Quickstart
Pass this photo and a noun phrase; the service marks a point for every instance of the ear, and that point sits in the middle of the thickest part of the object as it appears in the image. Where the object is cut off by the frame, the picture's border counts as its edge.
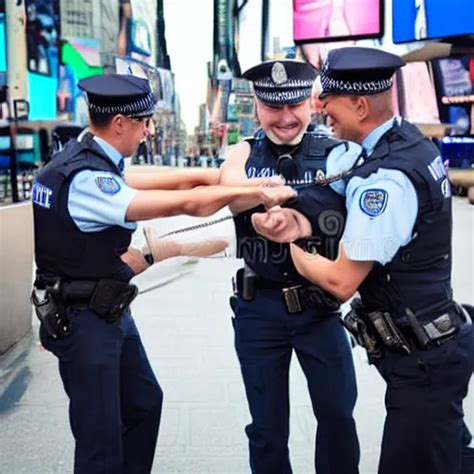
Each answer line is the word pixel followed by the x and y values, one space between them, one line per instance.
pixel 118 124
pixel 362 107
pixel 255 113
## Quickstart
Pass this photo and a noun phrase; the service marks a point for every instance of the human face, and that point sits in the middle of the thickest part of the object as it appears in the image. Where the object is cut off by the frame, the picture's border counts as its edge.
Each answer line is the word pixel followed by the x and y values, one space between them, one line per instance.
pixel 284 125
pixel 137 130
pixel 343 118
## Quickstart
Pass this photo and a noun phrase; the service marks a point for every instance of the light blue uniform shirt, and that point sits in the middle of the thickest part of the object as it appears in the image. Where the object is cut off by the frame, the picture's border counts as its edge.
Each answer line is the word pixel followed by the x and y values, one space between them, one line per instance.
pixel 340 159
pixel 381 210
pixel 99 199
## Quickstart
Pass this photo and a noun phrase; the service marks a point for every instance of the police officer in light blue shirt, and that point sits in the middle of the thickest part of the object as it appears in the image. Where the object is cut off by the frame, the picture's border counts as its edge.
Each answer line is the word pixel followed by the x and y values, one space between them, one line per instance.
pixel 365 236
pixel 396 251
pixel 104 206
pixel 85 212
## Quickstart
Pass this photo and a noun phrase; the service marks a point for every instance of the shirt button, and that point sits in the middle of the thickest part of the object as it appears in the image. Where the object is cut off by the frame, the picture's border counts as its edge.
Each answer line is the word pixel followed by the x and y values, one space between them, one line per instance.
pixel 285 274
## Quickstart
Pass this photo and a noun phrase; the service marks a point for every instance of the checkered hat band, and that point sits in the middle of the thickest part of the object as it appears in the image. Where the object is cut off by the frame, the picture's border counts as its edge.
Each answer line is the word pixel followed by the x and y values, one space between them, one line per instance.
pixel 282 96
pixel 267 83
pixel 143 106
pixel 331 85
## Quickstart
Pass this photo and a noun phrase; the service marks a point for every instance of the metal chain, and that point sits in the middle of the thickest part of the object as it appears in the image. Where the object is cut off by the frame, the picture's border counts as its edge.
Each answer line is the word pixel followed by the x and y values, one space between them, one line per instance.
pixel 197 226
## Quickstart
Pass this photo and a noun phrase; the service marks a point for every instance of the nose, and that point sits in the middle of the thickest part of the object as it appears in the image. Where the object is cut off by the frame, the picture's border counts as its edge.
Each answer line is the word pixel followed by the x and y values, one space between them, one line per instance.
pixel 146 127
pixel 286 114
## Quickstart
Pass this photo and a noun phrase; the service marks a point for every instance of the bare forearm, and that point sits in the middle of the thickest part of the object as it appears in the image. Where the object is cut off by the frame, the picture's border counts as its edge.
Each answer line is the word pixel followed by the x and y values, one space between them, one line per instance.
pixel 201 201
pixel 319 270
pixel 171 180
pixel 341 277
pixel 243 204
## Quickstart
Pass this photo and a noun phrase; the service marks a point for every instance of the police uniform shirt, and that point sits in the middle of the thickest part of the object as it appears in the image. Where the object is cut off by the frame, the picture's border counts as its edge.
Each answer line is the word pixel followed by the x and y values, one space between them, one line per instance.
pixel 339 160
pixel 99 199
pixel 381 210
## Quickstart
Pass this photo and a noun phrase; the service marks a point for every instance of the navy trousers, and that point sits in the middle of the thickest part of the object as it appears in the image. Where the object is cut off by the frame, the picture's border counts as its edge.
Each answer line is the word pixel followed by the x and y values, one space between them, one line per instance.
pixel 115 399
pixel 265 338
pixel 424 430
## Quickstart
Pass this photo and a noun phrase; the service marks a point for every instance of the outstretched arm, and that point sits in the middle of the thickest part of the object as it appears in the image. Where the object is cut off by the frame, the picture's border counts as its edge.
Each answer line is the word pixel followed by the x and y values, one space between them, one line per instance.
pixel 201 201
pixel 233 174
pixel 166 179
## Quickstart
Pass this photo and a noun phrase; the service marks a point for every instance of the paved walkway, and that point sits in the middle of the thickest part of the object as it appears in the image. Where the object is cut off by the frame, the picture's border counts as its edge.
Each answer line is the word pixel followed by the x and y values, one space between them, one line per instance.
pixel 186 328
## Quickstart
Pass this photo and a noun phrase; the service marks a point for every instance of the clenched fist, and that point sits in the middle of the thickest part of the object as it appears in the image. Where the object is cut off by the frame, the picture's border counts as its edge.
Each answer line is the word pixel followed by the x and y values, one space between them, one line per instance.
pixel 281 224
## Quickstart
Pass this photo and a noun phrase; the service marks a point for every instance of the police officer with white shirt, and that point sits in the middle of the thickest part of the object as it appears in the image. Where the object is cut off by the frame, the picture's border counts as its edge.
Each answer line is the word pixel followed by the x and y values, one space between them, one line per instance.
pixel 84 216
pixel 396 251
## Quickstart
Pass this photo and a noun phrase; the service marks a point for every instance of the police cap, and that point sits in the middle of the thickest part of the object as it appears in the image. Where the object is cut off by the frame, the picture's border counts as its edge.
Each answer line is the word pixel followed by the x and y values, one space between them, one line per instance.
pixel 358 71
pixel 284 82
pixel 119 94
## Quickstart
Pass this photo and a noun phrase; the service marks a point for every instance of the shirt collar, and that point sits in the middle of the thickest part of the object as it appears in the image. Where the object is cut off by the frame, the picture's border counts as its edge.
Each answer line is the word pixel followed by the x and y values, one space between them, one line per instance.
pixel 112 153
pixel 369 142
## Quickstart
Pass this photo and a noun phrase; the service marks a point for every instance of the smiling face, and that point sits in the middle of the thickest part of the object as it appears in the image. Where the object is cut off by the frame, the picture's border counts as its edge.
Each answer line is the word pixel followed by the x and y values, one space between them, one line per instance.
pixel 343 117
pixel 284 125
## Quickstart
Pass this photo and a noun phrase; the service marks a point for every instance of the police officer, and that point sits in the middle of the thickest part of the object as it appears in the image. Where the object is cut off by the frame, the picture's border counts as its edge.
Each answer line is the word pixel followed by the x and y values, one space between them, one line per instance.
pixel 277 312
pixel 84 215
pixel 396 250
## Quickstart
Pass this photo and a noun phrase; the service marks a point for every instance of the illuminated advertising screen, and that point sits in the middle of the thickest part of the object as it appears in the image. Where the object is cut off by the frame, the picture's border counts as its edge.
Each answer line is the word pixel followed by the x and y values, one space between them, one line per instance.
pixel 431 19
pixel 455 87
pixel 42 37
pixel 336 20
pixel 42 31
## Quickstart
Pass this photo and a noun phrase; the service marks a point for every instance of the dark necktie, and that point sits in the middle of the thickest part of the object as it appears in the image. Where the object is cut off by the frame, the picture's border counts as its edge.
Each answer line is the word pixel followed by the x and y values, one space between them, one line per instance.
pixel 121 165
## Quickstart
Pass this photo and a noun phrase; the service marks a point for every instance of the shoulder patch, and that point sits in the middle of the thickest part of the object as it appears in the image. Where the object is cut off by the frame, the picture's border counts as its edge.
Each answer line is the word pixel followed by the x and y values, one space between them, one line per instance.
pixel 107 184
pixel 373 202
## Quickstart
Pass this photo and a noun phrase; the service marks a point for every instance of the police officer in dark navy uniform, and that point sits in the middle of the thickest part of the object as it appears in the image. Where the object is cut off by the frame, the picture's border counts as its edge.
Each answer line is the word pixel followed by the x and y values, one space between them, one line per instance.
pixel 396 250
pixel 277 312
pixel 84 213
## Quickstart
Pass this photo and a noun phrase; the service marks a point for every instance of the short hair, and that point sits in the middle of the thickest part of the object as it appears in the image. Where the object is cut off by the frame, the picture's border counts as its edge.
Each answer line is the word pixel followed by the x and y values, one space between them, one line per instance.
pixel 100 120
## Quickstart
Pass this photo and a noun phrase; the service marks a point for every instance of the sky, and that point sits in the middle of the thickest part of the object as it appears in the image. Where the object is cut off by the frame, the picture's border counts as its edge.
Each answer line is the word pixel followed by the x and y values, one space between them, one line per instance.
pixel 189 33
pixel 189 38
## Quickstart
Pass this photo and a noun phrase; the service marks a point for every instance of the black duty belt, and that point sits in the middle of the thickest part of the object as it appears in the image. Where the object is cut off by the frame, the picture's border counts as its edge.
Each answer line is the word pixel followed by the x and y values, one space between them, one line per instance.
pixel 377 331
pixel 267 284
pixel 437 330
pixel 296 297
pixel 108 298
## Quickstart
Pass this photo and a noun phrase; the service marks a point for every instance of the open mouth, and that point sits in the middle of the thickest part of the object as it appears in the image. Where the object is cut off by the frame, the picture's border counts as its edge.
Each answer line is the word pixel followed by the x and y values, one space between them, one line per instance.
pixel 287 128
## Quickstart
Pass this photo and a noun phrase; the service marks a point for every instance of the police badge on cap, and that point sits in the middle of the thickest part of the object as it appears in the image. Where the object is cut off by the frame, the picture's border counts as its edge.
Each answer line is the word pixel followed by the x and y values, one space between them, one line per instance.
pixel 358 71
pixel 284 82
pixel 119 94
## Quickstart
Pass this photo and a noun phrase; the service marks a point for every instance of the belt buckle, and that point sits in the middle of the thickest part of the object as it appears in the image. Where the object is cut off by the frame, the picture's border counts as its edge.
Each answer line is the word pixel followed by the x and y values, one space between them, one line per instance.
pixel 292 299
